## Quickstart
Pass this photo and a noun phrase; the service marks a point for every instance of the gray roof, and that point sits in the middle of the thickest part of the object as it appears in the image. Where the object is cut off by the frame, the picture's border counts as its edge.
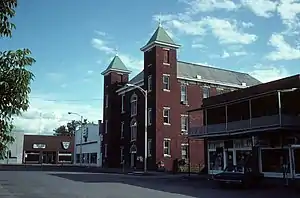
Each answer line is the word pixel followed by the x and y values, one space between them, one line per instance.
pixel 116 65
pixel 208 73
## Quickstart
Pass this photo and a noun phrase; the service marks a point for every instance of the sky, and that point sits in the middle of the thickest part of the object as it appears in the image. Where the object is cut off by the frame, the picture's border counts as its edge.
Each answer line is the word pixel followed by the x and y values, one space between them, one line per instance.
pixel 73 41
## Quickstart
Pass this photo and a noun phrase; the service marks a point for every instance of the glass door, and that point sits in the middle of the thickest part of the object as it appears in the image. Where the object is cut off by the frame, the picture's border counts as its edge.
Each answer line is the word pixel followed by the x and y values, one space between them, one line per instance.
pixel 296 162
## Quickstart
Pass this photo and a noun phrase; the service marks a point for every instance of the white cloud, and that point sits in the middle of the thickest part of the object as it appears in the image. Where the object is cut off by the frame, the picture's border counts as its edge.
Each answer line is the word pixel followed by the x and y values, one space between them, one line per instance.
pixel 45 115
pixel 289 11
pixel 262 8
pixel 227 54
pixel 129 61
pixel 284 51
pixel 102 46
pixel 267 73
pixel 196 6
pixel 227 32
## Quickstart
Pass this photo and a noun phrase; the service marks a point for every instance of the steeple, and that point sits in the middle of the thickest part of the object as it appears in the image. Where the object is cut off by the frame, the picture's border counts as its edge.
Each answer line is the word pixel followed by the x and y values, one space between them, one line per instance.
pixel 116 65
pixel 160 37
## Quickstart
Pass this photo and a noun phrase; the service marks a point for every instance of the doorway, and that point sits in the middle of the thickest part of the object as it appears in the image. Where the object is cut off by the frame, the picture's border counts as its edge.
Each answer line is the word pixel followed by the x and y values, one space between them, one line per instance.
pixel 49 157
pixel 295 158
pixel 132 160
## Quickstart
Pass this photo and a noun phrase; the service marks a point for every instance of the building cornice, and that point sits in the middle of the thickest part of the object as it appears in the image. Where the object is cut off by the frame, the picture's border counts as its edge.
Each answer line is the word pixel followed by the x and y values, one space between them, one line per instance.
pixel 162 44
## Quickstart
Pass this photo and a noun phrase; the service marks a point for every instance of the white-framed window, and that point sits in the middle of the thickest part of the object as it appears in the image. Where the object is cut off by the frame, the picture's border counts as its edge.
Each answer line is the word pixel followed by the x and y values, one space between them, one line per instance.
pixel 166 82
pixel 123 103
pixel 184 151
pixel 122 129
pixel 184 123
pixel 166 56
pixel 121 154
pixel 166 115
pixel 206 92
pixel 133 104
pixel 133 130
pixel 183 93
pixel 149 116
pixel 105 150
pixel 150 83
pixel 149 147
pixel 106 126
pixel 167 147
pixel 106 100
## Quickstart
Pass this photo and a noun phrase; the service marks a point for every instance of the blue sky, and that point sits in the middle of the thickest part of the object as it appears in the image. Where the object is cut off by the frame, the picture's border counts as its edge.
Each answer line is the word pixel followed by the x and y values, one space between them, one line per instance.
pixel 73 41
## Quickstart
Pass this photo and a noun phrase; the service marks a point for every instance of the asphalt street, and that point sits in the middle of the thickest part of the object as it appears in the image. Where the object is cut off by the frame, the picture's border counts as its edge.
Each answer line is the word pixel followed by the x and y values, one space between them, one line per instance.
pixel 18 184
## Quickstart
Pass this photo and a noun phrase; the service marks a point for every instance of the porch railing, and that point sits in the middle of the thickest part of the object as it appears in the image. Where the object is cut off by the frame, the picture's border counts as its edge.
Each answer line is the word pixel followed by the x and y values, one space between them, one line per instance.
pixel 250 124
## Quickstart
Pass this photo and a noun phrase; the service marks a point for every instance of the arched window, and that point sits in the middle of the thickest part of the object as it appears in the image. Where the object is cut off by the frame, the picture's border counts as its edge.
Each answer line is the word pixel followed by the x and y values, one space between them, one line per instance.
pixel 133 104
pixel 133 129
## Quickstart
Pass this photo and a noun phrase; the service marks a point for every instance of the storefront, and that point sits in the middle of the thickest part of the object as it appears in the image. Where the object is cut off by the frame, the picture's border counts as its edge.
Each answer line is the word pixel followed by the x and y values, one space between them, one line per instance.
pixel 273 160
pixel 40 149
pixel 235 152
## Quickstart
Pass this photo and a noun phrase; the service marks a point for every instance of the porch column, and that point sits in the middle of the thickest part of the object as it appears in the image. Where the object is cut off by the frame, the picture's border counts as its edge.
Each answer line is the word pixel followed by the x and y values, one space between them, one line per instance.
pixel 205 116
pixel 279 106
pixel 250 113
pixel 226 117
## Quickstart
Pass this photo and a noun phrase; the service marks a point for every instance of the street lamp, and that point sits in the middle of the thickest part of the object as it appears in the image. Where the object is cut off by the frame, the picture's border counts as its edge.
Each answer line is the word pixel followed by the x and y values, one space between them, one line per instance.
pixel 81 132
pixel 146 122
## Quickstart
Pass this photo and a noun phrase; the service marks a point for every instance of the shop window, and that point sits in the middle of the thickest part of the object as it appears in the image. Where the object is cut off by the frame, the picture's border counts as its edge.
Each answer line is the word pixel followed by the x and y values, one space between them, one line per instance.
pixel 242 157
pixel 273 160
pixel 297 161
pixel 93 158
pixel 216 160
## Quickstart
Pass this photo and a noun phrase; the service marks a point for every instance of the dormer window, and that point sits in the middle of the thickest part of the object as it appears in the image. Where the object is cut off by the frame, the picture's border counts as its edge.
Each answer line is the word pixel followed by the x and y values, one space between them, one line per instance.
pixel 166 56
pixel 133 104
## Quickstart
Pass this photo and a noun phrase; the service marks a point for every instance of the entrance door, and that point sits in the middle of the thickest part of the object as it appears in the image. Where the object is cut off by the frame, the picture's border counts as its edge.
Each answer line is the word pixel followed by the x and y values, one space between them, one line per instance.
pixel 132 160
pixel 296 162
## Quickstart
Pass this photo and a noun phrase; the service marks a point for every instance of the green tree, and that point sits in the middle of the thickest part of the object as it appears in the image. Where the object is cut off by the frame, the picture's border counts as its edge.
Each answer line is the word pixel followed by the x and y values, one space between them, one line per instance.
pixel 15 79
pixel 69 129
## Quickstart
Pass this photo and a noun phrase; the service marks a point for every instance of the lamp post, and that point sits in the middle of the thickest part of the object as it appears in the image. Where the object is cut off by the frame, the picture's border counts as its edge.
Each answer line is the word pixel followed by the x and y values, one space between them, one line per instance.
pixel 146 122
pixel 81 132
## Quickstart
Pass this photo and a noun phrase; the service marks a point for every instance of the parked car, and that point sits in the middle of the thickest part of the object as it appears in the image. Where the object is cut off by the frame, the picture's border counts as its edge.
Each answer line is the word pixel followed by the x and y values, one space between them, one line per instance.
pixel 238 175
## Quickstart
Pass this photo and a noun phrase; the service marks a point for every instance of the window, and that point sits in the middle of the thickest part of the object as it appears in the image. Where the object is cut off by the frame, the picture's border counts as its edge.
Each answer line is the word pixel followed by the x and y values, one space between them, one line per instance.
pixel 149 83
pixel 106 126
pixel 149 116
pixel 166 82
pixel 122 103
pixel 166 56
pixel 122 129
pixel 121 154
pixel 183 93
pixel 184 124
pixel 205 92
pixel 166 115
pixel 133 102
pixel 133 129
pixel 149 147
pixel 184 151
pixel 167 147
pixel 105 150
pixel 106 101
pixel 273 159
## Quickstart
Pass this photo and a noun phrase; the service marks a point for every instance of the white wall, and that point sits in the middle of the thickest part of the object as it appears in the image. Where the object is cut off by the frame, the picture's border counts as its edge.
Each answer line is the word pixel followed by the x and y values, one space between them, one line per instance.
pixel 16 149
pixel 92 145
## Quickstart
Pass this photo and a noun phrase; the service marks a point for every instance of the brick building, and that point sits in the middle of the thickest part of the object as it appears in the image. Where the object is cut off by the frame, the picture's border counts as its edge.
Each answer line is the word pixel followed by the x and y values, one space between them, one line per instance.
pixel 257 128
pixel 172 88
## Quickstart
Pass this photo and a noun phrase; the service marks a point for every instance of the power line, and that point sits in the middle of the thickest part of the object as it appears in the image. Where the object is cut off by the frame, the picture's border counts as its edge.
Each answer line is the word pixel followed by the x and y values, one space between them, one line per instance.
pixel 67 100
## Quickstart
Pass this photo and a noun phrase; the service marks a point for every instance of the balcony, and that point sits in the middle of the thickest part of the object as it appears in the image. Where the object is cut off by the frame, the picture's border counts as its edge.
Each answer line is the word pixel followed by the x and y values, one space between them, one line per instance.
pixel 244 125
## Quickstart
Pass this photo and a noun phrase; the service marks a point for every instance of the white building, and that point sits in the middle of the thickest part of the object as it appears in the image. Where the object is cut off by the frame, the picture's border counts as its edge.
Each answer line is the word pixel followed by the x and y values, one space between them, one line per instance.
pixel 91 145
pixel 14 150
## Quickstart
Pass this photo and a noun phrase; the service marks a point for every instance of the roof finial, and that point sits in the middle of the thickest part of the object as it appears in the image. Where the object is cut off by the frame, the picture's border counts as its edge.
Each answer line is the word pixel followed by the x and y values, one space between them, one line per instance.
pixel 159 20
pixel 116 51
